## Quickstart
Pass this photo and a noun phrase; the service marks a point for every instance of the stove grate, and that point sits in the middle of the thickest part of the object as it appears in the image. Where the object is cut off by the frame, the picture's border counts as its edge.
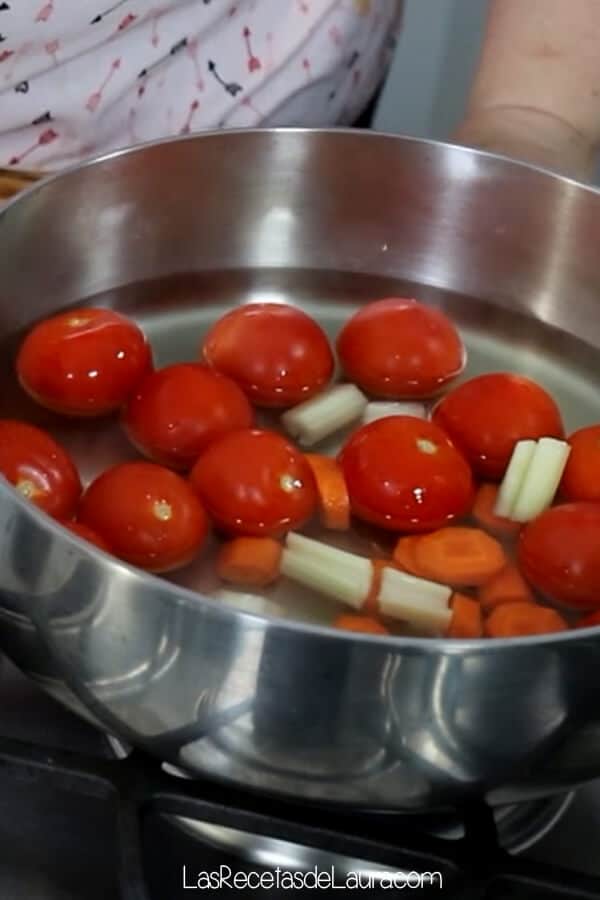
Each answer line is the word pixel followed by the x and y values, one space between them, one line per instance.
pixel 474 866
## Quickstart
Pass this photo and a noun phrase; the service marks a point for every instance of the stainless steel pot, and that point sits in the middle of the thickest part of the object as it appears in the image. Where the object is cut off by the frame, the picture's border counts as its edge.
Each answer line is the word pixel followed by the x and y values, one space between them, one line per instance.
pixel 176 231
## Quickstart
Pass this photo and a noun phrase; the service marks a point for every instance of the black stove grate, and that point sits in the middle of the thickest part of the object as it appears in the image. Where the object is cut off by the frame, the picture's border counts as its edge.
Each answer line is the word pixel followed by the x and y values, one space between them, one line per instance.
pixel 474 866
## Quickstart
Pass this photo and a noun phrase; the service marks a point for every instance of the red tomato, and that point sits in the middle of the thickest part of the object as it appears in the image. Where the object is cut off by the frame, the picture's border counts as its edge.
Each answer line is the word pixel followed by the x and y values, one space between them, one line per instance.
pixel 87 534
pixel 148 515
pixel 405 474
pixel 581 478
pixel 590 620
pixel 176 412
pixel 84 362
pixel 39 468
pixel 558 554
pixel 399 348
pixel 255 483
pixel 487 415
pixel 276 353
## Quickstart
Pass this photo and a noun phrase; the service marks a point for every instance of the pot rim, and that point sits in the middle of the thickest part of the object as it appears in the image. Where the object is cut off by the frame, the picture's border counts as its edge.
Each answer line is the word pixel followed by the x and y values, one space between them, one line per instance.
pixel 453 646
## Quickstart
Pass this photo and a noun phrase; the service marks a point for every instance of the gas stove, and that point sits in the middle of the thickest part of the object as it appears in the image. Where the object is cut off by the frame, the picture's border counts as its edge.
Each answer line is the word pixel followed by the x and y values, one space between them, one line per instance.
pixel 84 818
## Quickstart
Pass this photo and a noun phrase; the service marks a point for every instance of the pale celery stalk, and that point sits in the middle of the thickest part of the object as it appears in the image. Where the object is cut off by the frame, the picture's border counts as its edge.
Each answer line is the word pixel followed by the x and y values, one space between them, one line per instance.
pixel 420 603
pixel 348 578
pixel 321 416
pixel 543 478
pixel 318 550
pixel 335 573
pixel 514 478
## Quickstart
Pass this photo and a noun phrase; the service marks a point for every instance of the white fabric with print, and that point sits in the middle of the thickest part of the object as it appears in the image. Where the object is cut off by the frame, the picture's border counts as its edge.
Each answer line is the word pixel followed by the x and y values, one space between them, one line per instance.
pixel 83 77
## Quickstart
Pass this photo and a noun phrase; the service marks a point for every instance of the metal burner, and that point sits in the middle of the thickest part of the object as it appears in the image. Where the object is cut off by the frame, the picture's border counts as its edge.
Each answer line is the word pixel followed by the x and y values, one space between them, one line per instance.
pixel 519 827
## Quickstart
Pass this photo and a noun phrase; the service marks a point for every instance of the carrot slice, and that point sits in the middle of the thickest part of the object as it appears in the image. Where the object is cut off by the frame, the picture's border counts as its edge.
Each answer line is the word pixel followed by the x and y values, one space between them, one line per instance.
pixel 466 621
pixel 520 619
pixel 483 513
pixel 404 553
pixel 249 561
pixel 333 494
pixel 370 606
pixel 508 586
pixel 366 624
pixel 590 620
pixel 459 557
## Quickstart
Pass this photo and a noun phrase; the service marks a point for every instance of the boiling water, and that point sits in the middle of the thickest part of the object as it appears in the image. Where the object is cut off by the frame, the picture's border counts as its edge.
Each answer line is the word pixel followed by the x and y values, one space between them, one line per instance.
pixel 175 314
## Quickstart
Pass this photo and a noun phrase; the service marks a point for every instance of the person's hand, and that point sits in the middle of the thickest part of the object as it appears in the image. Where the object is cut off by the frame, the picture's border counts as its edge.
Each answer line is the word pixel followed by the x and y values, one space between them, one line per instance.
pixel 530 136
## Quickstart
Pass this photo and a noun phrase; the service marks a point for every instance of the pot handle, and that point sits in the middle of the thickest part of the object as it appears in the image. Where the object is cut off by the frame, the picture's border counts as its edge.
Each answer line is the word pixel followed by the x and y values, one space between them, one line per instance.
pixel 12 181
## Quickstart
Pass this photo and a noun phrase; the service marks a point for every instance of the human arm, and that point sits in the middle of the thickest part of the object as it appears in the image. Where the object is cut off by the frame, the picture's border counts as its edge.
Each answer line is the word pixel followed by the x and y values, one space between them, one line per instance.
pixel 536 92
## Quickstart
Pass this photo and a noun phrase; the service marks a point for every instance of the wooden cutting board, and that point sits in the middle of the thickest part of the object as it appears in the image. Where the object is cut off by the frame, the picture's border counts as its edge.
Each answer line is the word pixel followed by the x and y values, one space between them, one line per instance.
pixel 13 181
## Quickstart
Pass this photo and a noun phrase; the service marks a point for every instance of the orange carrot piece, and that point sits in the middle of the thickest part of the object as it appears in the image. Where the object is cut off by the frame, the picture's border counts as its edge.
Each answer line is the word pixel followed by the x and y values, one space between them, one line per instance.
pixel 366 624
pixel 484 515
pixel 520 619
pixel 249 561
pixel 467 620
pixel 459 557
pixel 404 553
pixel 333 494
pixel 590 620
pixel 508 586
pixel 370 606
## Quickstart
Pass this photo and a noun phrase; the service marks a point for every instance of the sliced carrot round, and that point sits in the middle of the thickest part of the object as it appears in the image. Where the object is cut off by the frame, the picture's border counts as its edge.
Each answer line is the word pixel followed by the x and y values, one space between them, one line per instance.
pixel 459 557
pixel 467 620
pixel 404 553
pixel 521 619
pixel 484 515
pixel 366 624
pixel 508 586
pixel 334 504
pixel 249 561
pixel 370 607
